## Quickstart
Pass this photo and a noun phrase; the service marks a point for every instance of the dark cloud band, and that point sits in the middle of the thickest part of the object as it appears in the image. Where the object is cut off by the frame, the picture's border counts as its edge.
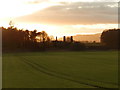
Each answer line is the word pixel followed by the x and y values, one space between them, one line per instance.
pixel 76 13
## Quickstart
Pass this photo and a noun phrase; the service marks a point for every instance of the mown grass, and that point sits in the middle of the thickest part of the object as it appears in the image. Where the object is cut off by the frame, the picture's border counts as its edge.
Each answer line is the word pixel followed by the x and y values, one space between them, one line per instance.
pixel 61 70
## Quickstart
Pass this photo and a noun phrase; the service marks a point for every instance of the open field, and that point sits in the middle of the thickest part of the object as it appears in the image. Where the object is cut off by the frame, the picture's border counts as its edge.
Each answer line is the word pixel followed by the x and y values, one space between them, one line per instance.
pixel 60 70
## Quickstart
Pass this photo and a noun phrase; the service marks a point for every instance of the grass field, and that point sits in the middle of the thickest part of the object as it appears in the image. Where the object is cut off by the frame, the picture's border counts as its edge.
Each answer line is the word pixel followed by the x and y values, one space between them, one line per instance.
pixel 60 70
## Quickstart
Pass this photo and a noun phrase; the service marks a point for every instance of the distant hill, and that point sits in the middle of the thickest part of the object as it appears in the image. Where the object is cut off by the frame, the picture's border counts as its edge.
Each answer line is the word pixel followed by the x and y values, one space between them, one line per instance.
pixel 90 38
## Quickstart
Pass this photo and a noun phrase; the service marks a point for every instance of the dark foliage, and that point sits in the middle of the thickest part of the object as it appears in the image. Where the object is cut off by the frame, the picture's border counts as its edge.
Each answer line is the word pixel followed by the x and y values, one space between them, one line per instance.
pixel 77 46
pixel 24 40
pixel 110 38
pixel 21 40
pixel 14 39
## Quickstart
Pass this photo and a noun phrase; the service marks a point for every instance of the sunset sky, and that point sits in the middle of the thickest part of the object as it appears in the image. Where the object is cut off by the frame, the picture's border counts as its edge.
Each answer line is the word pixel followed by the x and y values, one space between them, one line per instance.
pixel 60 17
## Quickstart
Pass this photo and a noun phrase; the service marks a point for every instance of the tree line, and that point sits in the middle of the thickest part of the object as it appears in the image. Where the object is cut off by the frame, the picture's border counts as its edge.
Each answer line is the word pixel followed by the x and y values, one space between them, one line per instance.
pixel 18 39
pixel 13 38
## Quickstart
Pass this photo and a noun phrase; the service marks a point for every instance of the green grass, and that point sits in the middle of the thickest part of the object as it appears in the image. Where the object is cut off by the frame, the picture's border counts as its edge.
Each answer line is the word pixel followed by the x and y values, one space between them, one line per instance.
pixel 60 70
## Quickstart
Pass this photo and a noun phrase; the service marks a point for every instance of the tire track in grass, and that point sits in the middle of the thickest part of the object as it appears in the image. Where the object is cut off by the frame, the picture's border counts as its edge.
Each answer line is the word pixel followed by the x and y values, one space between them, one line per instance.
pixel 42 66
pixel 57 74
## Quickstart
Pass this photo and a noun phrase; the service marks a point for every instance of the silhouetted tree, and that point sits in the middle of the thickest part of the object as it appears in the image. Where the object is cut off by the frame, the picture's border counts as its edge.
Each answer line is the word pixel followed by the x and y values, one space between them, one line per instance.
pixel 64 38
pixel 44 36
pixel 33 35
pixel 110 38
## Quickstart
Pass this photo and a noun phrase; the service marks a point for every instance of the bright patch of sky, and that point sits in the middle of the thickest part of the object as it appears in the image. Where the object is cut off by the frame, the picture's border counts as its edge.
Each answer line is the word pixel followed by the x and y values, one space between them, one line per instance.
pixel 60 17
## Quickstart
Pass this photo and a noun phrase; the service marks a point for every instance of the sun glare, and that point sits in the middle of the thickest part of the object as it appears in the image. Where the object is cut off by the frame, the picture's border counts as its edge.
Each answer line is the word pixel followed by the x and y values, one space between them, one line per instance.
pixel 11 9
pixel 16 8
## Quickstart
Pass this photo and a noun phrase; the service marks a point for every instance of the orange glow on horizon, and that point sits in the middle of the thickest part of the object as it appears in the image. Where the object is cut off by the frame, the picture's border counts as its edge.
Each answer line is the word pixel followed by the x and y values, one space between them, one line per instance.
pixel 61 31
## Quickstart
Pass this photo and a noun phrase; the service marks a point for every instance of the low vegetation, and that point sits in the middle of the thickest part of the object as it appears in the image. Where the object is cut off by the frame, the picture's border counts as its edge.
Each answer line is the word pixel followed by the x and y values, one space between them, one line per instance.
pixel 60 70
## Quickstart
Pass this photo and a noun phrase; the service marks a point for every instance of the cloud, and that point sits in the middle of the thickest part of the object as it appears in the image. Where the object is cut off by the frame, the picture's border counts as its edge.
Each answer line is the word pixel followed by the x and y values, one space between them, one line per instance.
pixel 107 0
pixel 75 13
pixel 67 1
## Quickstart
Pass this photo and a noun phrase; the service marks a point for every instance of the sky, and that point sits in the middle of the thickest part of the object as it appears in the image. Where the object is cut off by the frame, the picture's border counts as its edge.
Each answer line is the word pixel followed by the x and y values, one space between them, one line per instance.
pixel 60 17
